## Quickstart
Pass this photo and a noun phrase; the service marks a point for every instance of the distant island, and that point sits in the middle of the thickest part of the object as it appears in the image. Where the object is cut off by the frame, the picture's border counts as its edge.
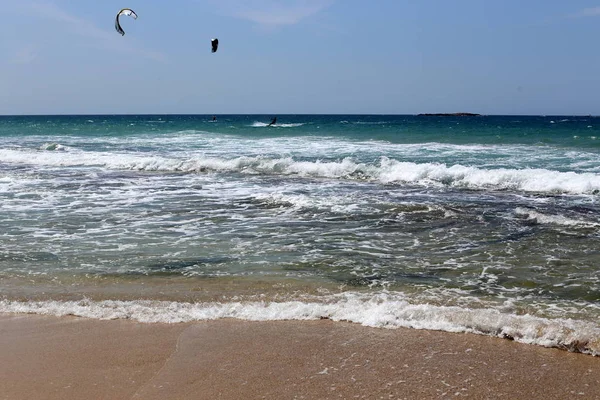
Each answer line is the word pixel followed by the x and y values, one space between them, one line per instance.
pixel 462 114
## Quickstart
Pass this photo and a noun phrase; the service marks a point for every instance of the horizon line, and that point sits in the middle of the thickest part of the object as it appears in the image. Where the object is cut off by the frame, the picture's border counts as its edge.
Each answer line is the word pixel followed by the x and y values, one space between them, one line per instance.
pixel 279 114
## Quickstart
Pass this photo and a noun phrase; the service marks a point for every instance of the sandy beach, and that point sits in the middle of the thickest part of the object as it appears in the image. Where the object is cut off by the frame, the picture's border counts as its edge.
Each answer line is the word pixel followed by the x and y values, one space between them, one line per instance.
pixel 75 358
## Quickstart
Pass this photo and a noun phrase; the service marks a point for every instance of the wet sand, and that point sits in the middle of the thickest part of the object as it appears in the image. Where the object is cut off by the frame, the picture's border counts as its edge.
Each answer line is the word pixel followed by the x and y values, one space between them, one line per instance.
pixel 75 358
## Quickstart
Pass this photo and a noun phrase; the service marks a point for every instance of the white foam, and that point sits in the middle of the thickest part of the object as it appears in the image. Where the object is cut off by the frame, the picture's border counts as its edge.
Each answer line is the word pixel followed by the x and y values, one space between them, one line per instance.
pixel 382 311
pixel 294 125
pixel 336 203
pixel 554 219
pixel 257 124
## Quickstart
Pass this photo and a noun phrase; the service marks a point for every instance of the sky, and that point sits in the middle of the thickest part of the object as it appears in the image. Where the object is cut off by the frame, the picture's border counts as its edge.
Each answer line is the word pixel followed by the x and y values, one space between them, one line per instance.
pixel 518 57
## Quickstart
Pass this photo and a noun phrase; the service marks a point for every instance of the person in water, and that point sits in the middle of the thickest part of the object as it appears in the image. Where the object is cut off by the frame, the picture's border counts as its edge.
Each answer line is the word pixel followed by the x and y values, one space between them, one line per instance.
pixel 214 118
pixel 273 122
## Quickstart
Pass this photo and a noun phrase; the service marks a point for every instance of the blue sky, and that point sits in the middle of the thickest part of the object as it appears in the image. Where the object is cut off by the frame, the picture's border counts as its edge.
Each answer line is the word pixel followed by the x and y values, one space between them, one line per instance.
pixel 301 56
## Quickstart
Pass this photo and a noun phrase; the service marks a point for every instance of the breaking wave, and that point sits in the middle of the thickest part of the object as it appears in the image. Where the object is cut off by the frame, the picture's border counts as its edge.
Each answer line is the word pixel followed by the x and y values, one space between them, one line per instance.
pixel 385 171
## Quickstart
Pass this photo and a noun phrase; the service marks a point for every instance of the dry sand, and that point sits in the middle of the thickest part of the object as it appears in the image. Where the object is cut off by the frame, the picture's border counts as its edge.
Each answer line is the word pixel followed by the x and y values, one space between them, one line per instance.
pixel 75 358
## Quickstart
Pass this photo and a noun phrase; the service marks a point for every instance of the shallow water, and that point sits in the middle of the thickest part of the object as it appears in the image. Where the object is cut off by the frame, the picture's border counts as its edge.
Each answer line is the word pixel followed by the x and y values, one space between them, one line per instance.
pixel 483 224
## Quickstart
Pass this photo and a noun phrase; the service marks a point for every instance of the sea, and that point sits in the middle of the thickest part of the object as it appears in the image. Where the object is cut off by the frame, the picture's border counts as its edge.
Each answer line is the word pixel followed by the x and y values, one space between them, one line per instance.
pixel 481 224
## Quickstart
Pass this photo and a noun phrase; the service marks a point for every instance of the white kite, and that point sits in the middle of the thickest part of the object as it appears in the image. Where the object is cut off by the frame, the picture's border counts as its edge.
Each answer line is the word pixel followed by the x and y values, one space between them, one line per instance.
pixel 126 11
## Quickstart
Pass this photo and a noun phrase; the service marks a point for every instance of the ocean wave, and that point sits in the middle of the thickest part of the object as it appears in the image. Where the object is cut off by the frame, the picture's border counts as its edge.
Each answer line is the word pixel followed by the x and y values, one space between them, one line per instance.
pixel 386 171
pixel 53 147
pixel 381 311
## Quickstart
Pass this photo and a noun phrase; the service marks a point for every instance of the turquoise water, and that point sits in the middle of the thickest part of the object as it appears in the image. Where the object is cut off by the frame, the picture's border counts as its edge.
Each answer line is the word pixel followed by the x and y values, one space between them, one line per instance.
pixel 484 224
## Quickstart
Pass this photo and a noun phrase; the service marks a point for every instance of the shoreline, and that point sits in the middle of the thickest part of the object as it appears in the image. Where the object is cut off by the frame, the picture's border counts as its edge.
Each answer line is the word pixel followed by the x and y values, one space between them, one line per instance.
pixel 73 357
pixel 380 311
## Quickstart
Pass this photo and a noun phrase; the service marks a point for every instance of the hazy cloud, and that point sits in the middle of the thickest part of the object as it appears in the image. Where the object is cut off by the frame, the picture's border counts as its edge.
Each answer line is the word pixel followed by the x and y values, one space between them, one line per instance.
pixel 25 55
pixel 588 12
pixel 273 13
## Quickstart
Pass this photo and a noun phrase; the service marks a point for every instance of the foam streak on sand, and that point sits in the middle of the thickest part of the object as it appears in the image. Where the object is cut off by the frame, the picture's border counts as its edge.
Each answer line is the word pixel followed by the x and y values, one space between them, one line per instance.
pixel 373 311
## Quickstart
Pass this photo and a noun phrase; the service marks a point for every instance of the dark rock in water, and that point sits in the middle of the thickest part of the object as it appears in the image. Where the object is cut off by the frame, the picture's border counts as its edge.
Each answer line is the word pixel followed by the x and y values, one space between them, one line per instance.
pixel 462 114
